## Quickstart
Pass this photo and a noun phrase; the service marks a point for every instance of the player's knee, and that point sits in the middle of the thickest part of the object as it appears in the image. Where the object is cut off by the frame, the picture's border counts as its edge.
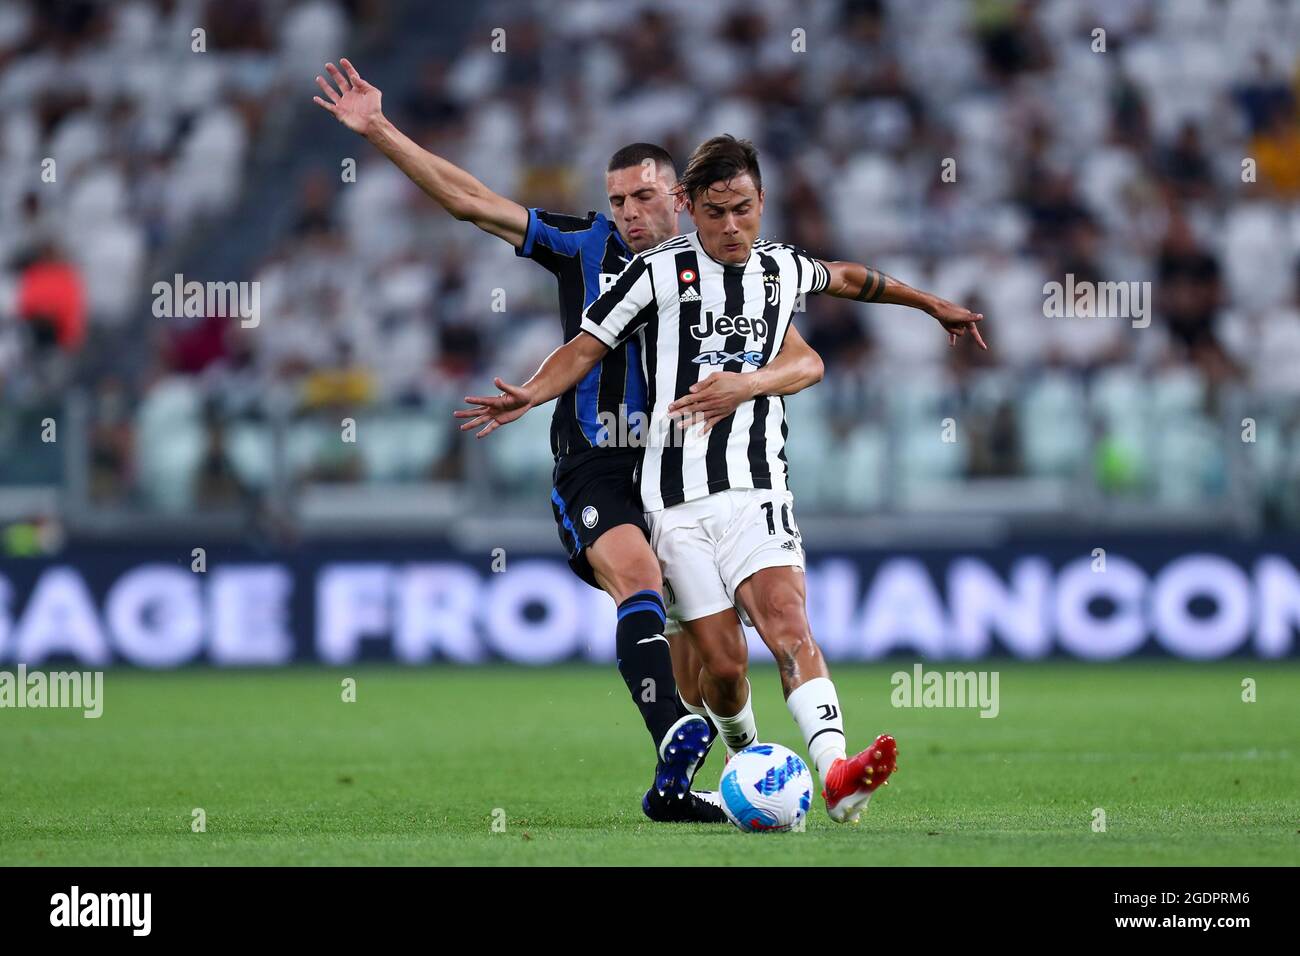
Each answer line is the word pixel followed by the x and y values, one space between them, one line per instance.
pixel 725 661
pixel 727 669
pixel 627 568
pixel 639 576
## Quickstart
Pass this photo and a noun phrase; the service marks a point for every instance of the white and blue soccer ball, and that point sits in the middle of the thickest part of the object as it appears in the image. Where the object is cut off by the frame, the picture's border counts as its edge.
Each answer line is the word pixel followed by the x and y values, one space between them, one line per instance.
pixel 766 787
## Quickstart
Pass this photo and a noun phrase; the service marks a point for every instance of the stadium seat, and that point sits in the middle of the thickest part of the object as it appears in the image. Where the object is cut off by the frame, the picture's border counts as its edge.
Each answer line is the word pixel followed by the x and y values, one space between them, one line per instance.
pixel 172 442
pixel 250 451
pixel 1177 392
pixel 862 472
pixel 519 454
pixel 1054 429
pixel 1189 463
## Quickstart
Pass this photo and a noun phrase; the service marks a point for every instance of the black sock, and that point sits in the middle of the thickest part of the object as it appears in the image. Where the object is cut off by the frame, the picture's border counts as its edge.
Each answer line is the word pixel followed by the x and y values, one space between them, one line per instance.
pixel 646 664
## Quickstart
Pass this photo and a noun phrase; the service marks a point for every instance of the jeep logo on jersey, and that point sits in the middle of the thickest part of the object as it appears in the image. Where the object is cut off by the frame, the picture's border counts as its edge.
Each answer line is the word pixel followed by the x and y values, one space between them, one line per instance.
pixel 729 325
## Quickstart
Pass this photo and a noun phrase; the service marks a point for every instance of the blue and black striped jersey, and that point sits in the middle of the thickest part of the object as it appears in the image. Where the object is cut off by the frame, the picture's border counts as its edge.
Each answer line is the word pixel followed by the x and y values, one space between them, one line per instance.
pixel 586 256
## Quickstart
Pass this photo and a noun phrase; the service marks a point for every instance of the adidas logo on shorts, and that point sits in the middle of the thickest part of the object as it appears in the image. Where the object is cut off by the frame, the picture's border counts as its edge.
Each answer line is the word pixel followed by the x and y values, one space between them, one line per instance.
pixel 790 545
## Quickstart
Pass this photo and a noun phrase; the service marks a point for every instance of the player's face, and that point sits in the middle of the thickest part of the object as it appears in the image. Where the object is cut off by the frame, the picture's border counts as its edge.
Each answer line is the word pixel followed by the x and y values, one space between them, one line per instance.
pixel 642 204
pixel 728 216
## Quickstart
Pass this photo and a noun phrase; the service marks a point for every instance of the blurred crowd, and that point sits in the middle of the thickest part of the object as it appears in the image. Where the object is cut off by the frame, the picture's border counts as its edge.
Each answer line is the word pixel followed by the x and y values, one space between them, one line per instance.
pixel 977 149
pixel 127 132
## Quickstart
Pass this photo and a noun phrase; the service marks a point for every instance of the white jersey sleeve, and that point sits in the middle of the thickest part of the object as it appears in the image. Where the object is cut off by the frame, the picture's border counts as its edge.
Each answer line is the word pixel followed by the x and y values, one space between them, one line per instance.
pixel 622 309
pixel 814 277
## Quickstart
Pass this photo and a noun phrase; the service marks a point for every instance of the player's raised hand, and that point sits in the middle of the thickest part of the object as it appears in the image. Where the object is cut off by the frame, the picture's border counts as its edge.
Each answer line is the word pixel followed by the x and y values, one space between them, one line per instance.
pixel 355 104
pixel 493 411
pixel 957 321
pixel 713 399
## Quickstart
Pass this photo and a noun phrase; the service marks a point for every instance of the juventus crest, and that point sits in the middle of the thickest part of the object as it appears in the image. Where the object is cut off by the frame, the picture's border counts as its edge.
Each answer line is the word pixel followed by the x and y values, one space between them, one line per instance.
pixel 772 286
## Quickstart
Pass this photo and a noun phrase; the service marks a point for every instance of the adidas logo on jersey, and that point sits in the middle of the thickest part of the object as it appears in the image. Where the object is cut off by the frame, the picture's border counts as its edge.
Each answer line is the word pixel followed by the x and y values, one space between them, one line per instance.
pixel 690 295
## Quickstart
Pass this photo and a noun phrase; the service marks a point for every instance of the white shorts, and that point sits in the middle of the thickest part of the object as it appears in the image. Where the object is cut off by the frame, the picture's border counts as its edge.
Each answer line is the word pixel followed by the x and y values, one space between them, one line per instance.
pixel 709 546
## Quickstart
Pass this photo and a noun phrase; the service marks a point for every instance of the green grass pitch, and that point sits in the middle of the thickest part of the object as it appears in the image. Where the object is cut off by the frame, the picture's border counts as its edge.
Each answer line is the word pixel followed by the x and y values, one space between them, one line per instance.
pixel 412 772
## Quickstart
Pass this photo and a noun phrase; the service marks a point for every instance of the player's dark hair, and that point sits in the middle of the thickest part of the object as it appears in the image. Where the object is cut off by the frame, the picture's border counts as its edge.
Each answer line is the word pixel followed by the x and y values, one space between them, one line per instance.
pixel 722 158
pixel 634 154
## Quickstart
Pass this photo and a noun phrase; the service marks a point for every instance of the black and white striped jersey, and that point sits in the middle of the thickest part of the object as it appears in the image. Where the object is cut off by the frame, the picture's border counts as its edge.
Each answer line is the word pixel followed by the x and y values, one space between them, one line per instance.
pixel 695 316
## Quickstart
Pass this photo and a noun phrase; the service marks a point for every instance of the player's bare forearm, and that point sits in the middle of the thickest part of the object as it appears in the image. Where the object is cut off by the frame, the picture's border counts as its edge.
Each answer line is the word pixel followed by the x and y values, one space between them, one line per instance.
pixel 853 280
pixel 709 401
pixel 796 367
pixel 563 369
pixel 357 104
pixel 451 187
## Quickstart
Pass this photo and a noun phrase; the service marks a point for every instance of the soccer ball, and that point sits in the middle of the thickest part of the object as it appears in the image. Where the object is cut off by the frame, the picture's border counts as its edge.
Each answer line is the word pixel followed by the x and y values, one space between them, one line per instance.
pixel 766 787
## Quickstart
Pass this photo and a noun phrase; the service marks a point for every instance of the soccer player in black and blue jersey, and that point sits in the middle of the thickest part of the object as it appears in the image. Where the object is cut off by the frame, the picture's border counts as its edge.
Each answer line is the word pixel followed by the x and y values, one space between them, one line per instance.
pixel 594 499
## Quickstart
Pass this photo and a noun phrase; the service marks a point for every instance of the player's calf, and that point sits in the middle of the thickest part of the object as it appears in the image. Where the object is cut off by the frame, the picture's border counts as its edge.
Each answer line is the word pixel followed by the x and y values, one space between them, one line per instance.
pixel 724 684
pixel 774 599
pixel 627 569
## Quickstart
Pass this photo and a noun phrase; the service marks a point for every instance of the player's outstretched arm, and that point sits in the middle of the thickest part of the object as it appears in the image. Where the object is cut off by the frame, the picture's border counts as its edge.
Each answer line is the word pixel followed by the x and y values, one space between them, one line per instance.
pixel 852 280
pixel 563 369
pixel 796 367
pixel 616 313
pixel 357 105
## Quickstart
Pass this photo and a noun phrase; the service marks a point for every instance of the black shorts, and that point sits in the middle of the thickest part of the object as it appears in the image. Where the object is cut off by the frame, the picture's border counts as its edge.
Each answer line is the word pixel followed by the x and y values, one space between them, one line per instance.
pixel 593 492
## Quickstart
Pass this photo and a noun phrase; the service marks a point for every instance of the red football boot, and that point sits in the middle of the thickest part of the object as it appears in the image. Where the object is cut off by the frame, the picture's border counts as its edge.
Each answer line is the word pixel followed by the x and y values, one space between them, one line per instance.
pixel 851 781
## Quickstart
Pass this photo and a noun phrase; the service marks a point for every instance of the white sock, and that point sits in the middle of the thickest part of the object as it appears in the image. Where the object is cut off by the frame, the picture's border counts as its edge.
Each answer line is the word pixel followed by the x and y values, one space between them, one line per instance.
pixel 816 709
pixel 737 732
pixel 699 710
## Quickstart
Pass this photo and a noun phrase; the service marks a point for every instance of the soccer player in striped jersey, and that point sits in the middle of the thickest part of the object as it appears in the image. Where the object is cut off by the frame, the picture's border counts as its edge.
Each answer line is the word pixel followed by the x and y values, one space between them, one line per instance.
pixel 721 516
pixel 594 432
